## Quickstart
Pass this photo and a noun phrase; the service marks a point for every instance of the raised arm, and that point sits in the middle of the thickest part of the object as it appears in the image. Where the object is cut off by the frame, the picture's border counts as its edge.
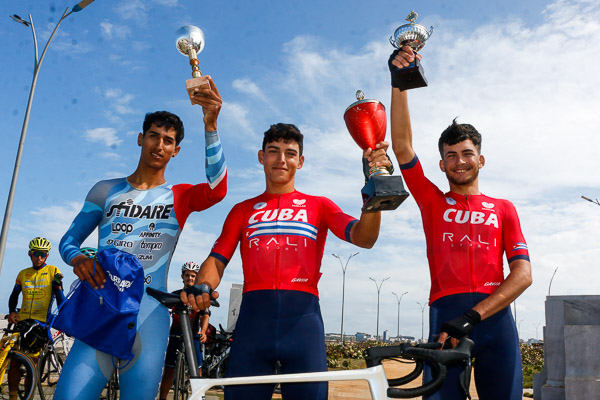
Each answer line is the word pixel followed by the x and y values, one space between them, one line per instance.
pixel 400 116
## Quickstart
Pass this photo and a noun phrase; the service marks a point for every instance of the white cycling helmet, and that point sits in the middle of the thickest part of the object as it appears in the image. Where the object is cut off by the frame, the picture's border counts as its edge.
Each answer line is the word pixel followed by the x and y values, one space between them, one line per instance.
pixel 190 266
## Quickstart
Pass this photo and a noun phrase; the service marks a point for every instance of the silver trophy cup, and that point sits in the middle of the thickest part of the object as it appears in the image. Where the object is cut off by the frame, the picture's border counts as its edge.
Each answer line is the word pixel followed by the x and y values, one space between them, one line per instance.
pixel 415 36
pixel 190 42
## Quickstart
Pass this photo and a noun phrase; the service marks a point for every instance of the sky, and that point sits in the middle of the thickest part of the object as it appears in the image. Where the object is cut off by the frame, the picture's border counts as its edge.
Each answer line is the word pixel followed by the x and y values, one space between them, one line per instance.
pixel 523 73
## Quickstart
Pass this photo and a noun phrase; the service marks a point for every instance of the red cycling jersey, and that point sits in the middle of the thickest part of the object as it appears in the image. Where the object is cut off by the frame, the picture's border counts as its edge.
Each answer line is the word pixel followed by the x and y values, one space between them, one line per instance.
pixel 466 236
pixel 282 239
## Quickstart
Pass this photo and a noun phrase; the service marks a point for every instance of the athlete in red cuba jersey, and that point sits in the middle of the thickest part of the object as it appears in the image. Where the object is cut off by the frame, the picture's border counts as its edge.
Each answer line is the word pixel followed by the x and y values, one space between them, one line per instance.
pixel 281 237
pixel 467 236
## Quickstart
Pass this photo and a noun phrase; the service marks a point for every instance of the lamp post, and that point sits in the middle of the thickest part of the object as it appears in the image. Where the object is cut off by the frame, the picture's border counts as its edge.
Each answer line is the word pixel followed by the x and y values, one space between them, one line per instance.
pixel 378 290
pixel 343 288
pixel 399 299
pixel 422 318
pixel 519 329
pixel 550 284
pixel 36 70
pixel 536 330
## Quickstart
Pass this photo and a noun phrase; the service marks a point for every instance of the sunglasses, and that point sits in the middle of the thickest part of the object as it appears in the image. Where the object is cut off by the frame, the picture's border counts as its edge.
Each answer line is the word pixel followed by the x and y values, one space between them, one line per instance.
pixel 38 254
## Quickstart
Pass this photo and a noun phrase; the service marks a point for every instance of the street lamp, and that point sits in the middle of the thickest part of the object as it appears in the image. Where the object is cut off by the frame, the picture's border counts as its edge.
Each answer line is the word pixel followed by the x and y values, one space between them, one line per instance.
pixel 36 70
pixel 422 318
pixel 399 299
pixel 536 330
pixel 550 284
pixel 378 290
pixel 343 288
pixel 519 329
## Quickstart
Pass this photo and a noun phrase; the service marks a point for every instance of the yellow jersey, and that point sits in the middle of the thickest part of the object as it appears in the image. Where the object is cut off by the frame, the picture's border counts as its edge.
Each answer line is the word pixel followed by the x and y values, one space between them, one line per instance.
pixel 36 286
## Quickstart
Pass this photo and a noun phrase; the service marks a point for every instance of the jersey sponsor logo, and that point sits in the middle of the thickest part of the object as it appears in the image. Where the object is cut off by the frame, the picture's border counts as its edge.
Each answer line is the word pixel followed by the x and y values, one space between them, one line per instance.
pixel 120 243
pixel 148 279
pixel 121 227
pixel 300 280
pixel 35 294
pixel 487 205
pixel 145 257
pixel 492 284
pixel 285 214
pixel 473 217
pixel 121 284
pixel 450 201
pixel 520 246
pixel 299 203
pixel 260 206
pixel 129 209
pixel 449 237
pixel 152 235
pixel 290 242
pixel 151 245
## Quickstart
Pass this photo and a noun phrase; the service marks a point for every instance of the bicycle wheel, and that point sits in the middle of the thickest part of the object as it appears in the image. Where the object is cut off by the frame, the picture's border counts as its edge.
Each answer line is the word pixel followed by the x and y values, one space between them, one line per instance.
pixel 26 373
pixel 112 387
pixel 222 367
pixel 183 387
pixel 49 369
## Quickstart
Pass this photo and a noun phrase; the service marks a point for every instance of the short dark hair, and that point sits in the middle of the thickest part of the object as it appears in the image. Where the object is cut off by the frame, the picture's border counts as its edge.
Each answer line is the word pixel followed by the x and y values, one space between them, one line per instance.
pixel 164 119
pixel 285 132
pixel 456 133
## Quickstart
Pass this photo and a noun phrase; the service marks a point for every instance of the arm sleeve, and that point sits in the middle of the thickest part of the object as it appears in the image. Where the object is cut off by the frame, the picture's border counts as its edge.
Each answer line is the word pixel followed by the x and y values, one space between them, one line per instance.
pixel 82 226
pixel 419 186
pixel 512 236
pixel 231 234
pixel 13 300
pixel 189 198
pixel 337 221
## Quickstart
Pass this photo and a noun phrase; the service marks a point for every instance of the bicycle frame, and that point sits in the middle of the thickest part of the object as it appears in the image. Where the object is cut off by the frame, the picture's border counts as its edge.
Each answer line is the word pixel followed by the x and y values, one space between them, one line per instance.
pixel 375 376
pixel 6 345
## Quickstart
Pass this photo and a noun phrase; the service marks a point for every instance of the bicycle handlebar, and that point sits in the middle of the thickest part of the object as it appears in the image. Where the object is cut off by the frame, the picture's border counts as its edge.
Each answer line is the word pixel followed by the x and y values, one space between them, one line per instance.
pixel 171 300
pixel 439 360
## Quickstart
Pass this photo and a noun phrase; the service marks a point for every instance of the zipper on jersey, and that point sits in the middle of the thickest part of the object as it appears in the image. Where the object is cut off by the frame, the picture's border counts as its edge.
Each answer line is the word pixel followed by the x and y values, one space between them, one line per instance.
pixel 471 246
pixel 277 248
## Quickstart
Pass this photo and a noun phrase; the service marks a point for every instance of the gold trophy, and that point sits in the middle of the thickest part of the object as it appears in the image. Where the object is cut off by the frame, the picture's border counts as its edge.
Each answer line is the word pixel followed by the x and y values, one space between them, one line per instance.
pixel 190 43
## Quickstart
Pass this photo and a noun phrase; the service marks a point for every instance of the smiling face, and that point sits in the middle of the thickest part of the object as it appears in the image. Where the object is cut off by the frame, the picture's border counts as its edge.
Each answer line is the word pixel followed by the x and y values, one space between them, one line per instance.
pixel 280 160
pixel 189 278
pixel 461 162
pixel 158 146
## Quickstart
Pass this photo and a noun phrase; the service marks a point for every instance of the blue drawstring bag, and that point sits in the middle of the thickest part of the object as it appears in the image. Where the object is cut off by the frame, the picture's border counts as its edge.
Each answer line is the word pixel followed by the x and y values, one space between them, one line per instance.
pixel 106 319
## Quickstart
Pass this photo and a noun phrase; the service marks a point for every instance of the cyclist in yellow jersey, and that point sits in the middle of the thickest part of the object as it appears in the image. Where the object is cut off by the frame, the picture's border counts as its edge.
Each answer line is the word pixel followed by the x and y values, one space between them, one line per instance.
pixel 39 284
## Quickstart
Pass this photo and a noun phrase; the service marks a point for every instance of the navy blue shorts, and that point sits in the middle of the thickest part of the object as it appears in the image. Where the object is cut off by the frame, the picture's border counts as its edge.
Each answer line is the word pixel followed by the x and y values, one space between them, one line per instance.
pixel 497 367
pixel 174 342
pixel 278 325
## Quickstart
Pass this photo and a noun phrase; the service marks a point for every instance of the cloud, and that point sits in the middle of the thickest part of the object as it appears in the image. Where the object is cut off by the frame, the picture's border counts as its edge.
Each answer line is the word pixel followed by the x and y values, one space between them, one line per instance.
pixel 107 136
pixel 112 31
pixel 133 9
pixel 118 101
pixel 248 87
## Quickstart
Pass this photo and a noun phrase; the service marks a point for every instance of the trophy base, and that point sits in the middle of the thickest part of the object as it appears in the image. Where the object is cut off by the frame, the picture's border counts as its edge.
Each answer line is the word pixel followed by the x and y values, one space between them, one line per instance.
pixel 196 83
pixel 383 192
pixel 410 77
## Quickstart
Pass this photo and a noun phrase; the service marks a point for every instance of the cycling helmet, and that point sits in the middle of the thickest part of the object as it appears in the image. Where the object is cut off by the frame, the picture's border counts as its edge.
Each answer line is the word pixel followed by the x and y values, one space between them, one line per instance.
pixel 190 266
pixel 40 244
pixel 89 252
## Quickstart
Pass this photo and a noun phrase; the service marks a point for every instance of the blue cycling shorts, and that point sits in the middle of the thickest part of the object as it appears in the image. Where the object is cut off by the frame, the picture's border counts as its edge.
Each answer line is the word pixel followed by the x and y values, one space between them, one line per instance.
pixel 278 325
pixel 497 367
pixel 174 342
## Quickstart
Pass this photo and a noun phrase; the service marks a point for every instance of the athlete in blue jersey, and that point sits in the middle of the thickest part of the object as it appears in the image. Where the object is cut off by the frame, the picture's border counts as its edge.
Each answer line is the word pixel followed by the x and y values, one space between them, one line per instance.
pixel 142 215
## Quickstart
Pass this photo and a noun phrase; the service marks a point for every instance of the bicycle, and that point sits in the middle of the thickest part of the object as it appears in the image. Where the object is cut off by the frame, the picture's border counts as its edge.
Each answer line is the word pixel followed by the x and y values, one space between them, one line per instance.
pixel 51 361
pixel 22 364
pixel 216 353
pixel 380 386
